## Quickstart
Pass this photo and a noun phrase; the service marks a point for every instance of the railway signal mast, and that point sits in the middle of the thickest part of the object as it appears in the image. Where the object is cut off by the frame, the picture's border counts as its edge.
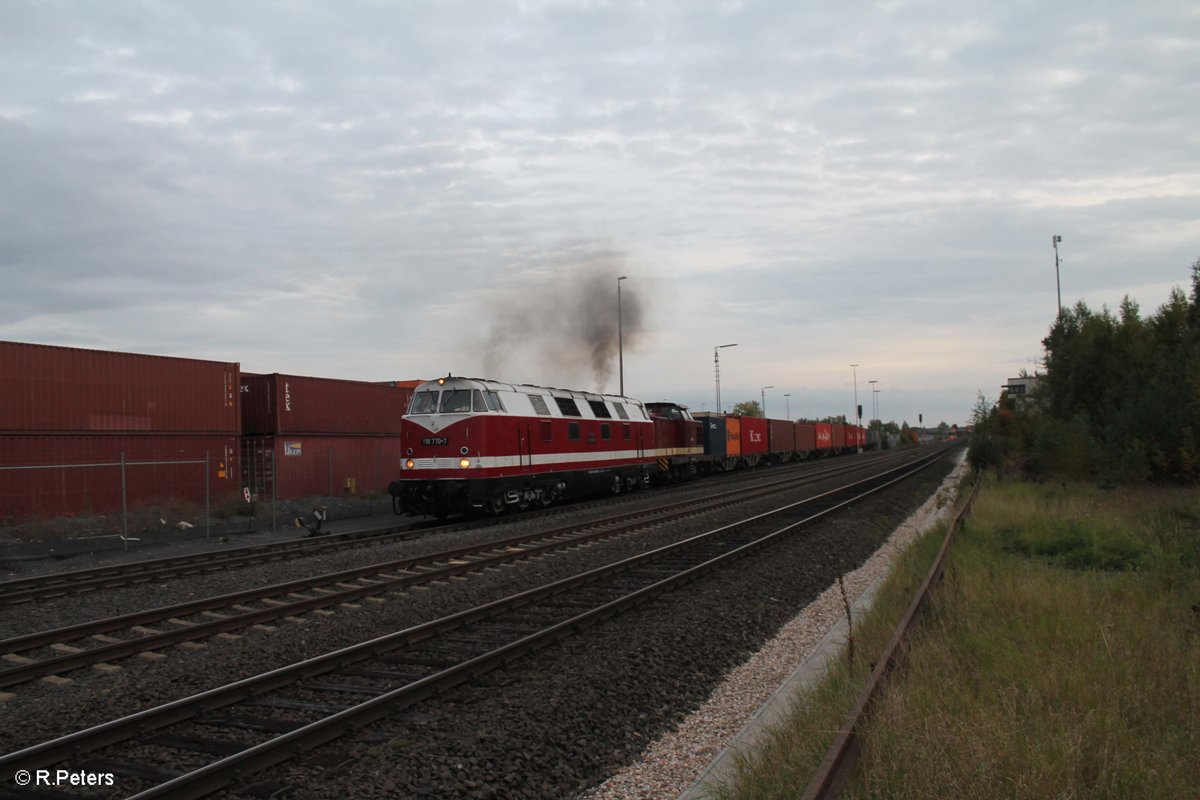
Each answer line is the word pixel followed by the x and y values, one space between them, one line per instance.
pixel 1058 281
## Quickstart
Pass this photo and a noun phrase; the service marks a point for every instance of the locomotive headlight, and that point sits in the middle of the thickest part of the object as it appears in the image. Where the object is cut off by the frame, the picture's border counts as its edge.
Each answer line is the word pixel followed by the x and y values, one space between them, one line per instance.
pixel 409 464
pixel 463 463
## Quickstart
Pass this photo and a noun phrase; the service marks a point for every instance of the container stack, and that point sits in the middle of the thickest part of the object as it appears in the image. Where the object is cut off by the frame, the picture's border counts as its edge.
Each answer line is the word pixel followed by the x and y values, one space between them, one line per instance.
pixel 305 436
pixel 91 431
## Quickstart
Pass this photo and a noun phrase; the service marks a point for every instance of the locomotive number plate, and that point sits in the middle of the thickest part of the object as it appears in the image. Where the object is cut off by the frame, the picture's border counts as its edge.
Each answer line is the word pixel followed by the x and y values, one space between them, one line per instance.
pixel 433 440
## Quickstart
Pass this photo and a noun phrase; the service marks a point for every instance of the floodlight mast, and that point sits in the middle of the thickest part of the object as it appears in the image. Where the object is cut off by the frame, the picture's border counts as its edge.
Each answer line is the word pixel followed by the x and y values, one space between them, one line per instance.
pixel 717 370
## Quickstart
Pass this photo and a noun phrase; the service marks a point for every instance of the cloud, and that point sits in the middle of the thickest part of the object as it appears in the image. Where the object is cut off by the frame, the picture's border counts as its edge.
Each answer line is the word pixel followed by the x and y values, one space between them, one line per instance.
pixel 334 190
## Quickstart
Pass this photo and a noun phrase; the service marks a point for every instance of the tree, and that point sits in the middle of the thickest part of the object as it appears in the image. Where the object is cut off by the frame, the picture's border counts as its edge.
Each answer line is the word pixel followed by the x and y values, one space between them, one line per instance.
pixel 747 408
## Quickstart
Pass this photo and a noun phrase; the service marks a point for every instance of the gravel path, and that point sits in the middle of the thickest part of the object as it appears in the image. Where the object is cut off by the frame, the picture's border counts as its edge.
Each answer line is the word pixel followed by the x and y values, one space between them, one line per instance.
pixel 672 763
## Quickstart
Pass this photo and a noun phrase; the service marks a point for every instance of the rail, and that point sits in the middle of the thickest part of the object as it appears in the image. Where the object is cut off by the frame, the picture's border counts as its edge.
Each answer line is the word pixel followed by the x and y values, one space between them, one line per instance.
pixel 843 752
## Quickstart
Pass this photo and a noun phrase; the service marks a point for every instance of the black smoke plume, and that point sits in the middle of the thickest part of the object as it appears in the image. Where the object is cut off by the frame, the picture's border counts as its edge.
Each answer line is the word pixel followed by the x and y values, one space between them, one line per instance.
pixel 560 326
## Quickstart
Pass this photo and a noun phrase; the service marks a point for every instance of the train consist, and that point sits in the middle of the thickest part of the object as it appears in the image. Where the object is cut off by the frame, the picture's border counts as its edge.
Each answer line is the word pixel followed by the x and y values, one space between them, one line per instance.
pixel 472 445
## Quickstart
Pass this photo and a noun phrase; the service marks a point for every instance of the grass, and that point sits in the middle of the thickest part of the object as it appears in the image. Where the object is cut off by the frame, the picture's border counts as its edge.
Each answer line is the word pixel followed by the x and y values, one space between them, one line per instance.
pixel 1060 658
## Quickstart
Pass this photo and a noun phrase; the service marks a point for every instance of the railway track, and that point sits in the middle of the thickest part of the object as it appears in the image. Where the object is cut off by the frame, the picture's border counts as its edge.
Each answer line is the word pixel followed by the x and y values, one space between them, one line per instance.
pixel 93 643
pixel 59 584
pixel 219 738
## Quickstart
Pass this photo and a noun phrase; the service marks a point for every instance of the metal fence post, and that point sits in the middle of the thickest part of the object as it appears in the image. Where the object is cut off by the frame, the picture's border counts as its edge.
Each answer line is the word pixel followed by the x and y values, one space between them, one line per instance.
pixel 207 504
pixel 274 484
pixel 124 505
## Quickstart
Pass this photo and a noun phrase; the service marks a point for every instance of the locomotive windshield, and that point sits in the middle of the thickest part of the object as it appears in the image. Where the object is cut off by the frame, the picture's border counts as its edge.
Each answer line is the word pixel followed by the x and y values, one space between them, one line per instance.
pixel 456 401
pixel 424 403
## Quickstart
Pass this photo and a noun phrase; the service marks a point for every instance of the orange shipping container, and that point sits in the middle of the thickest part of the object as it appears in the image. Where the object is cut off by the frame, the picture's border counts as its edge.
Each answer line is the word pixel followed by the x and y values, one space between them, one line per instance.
pixel 733 437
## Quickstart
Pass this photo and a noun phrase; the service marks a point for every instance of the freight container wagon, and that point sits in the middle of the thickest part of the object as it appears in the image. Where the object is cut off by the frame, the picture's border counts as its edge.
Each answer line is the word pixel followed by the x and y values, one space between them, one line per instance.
pixel 838 440
pixel 782 439
pixel 713 434
pixel 733 438
pixel 51 389
pixel 70 475
pixel 806 439
pixel 292 404
pixel 755 445
pixel 824 432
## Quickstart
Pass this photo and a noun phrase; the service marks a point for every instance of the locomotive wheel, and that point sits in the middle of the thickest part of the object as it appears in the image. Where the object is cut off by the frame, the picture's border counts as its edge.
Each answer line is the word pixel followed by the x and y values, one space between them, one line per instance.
pixel 497 504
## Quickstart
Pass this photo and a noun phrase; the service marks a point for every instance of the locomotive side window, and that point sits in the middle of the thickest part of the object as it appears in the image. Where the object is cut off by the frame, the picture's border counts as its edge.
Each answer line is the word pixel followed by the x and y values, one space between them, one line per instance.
pixel 573 431
pixel 599 409
pixel 620 407
pixel 605 431
pixel 477 404
pixel 493 401
pixel 625 432
pixel 539 404
pixel 567 406
pixel 456 401
pixel 424 403
pixel 547 428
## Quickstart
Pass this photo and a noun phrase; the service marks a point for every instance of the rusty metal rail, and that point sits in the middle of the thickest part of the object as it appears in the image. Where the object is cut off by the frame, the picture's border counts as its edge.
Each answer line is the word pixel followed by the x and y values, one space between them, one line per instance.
pixel 843 752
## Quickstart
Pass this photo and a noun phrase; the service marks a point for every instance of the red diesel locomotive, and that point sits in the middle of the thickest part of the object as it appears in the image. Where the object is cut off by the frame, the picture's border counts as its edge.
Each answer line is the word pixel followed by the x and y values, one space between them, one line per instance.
pixel 477 445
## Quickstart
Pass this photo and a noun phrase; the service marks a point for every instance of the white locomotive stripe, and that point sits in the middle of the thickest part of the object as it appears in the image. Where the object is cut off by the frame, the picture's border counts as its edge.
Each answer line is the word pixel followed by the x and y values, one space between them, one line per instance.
pixel 538 459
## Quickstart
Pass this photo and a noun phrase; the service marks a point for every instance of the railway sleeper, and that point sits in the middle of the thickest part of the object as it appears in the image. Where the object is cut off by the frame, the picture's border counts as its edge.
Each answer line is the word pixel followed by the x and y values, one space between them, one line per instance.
pixel 343 688
pixel 411 676
pixel 290 704
pixel 215 747
pixel 126 769
pixel 264 724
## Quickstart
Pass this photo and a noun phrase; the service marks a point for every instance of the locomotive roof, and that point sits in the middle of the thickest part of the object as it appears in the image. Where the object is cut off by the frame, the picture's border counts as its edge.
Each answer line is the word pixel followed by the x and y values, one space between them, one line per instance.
pixel 524 388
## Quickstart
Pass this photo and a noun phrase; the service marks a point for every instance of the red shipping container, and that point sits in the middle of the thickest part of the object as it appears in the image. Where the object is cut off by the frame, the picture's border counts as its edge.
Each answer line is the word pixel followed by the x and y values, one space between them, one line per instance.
pixel 754 436
pixel 824 435
pixel 277 404
pixel 305 465
pixel 69 475
pixel 839 436
pixel 806 437
pixel 50 389
pixel 783 436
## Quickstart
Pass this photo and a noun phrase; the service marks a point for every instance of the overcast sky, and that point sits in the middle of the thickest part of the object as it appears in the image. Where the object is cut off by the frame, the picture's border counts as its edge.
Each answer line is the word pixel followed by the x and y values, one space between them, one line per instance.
pixel 395 190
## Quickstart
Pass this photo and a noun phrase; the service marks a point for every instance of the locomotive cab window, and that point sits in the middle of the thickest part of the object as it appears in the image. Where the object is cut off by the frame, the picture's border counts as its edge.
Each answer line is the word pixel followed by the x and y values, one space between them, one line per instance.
pixel 539 405
pixel 456 401
pixel 477 403
pixel 424 403
pixel 493 401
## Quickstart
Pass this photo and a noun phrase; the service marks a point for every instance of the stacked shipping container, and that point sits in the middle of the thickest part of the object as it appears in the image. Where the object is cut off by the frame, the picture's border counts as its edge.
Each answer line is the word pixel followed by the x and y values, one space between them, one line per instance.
pixel 86 430
pixel 305 436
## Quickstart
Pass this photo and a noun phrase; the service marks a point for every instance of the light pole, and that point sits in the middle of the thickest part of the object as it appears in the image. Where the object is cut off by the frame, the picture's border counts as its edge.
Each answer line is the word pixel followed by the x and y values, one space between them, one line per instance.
pixel 787 399
pixel 857 413
pixel 620 337
pixel 1057 281
pixel 875 414
pixel 877 391
pixel 764 400
pixel 717 370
